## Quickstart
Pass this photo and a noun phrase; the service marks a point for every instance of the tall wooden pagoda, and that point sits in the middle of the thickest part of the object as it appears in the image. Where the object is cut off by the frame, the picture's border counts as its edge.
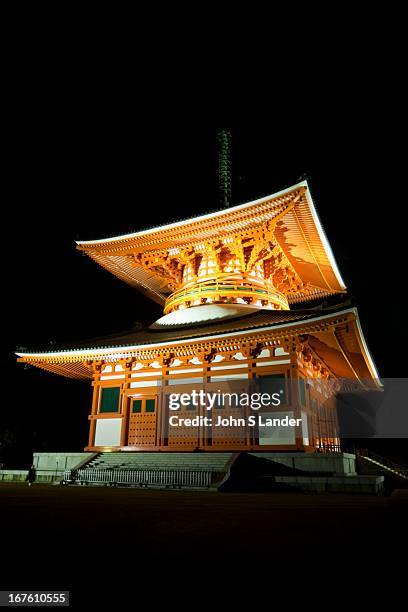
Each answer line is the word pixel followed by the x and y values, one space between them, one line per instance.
pixel 243 292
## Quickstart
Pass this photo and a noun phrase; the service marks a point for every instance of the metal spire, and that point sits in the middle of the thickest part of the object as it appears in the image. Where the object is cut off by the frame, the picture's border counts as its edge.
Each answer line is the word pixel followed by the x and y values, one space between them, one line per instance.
pixel 224 166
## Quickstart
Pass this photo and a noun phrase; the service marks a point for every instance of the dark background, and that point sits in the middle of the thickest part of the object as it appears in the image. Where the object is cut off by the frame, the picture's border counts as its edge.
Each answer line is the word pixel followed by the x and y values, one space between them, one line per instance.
pixel 104 128
pixel 77 171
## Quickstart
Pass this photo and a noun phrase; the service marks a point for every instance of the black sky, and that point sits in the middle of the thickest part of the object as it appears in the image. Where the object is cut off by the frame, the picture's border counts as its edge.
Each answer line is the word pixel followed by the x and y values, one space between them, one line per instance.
pixel 88 174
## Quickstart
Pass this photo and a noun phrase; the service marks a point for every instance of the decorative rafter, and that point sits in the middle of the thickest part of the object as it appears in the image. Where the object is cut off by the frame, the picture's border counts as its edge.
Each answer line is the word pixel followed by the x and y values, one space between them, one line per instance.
pixel 234 259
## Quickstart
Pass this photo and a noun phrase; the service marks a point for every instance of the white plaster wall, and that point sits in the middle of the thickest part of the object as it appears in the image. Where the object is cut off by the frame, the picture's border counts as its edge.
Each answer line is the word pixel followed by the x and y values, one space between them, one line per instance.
pixel 229 377
pixel 305 428
pixel 277 435
pixel 146 383
pixel 108 432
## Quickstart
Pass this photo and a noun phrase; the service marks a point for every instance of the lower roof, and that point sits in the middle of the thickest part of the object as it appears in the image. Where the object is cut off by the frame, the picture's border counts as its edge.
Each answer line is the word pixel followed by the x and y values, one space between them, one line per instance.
pixel 163 335
pixel 70 360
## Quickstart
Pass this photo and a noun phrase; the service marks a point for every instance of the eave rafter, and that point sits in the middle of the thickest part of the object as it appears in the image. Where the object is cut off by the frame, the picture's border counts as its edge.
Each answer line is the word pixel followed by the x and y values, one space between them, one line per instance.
pixel 248 247
pixel 312 359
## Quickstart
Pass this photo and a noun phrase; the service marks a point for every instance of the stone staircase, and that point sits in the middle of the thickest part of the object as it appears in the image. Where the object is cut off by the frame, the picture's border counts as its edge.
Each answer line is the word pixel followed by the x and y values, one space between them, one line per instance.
pixel 155 469
pixel 370 462
pixel 333 472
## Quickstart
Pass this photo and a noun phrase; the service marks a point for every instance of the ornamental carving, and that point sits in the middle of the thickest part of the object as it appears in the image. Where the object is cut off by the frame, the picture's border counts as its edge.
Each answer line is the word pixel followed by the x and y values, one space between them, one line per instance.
pixel 248 268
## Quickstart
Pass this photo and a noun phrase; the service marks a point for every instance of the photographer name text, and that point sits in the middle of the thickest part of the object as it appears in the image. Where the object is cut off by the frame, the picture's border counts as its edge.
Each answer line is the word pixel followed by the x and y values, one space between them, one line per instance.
pixel 230 421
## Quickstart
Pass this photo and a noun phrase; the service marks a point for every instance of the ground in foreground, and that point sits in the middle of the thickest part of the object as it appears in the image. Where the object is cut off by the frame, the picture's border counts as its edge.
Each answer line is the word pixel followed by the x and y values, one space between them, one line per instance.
pixel 102 540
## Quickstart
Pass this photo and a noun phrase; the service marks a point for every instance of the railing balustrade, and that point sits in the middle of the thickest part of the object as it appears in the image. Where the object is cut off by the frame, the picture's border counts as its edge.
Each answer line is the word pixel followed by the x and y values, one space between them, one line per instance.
pixel 206 289
pixel 178 478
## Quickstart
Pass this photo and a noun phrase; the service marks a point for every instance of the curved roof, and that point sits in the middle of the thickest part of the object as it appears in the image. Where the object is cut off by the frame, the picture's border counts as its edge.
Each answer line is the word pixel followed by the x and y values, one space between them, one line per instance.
pixel 299 232
pixel 345 352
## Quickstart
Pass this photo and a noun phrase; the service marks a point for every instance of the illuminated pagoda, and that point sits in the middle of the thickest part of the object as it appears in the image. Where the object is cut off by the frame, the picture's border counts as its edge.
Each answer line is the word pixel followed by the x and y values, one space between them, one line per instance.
pixel 243 292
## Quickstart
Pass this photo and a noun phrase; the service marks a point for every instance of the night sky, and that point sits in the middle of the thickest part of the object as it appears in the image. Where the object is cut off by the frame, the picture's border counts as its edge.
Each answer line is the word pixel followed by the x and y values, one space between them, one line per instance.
pixel 78 175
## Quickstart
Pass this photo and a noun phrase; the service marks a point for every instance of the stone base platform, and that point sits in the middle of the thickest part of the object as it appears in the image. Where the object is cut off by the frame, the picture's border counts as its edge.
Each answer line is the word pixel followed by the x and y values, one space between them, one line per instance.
pixel 317 472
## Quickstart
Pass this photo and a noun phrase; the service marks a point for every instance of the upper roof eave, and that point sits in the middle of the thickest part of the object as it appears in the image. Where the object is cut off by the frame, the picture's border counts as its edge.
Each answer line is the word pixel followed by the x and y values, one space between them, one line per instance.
pixel 110 253
pixel 218 213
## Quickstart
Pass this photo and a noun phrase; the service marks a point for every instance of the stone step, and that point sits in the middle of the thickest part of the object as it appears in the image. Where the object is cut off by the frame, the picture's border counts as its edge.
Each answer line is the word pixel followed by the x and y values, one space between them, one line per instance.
pixel 164 470
pixel 162 461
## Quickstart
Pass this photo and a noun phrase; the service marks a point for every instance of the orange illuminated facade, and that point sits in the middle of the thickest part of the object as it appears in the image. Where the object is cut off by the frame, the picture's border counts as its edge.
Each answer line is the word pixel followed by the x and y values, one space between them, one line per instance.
pixel 242 292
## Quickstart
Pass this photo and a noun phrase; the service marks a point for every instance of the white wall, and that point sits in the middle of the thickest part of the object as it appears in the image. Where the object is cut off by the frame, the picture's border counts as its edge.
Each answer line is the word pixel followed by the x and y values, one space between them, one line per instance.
pixel 305 428
pixel 278 434
pixel 108 432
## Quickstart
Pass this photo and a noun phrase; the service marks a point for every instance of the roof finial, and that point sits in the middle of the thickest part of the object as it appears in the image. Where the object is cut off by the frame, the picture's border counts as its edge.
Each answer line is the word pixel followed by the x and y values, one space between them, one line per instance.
pixel 224 166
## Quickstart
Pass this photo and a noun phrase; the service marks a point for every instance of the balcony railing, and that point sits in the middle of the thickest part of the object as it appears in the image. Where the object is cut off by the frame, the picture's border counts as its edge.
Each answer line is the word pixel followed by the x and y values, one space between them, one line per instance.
pixel 219 290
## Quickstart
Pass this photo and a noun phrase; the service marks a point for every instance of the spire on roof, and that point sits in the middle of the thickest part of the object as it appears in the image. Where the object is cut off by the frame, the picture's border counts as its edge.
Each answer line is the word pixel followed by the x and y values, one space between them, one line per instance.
pixel 224 166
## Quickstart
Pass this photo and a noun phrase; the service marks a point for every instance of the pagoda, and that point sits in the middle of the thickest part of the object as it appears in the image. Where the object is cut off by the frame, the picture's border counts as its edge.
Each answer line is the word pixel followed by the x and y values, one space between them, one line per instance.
pixel 253 300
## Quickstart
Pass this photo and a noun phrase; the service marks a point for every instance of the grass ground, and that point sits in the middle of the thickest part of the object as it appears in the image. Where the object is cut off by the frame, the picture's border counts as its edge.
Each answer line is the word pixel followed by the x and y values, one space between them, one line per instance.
pixel 102 540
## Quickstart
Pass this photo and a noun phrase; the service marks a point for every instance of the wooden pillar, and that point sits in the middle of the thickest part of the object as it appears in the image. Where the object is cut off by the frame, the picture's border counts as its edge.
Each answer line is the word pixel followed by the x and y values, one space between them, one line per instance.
pixel 162 413
pixel 202 410
pixel 128 365
pixel 250 431
pixel 295 393
pixel 96 367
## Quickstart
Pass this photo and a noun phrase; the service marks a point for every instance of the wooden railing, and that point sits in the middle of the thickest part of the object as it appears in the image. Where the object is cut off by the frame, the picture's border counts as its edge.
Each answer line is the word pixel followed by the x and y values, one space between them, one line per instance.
pixel 329 448
pixel 224 289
